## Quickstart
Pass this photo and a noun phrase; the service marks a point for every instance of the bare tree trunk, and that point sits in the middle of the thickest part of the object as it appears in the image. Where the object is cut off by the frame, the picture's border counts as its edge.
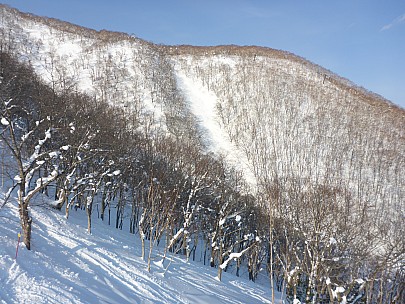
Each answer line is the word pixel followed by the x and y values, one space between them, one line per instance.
pixel 103 203
pixel 143 248
pixel 142 232
pixel 62 198
pixel 25 219
pixel 220 257
pixel 150 246
pixel 26 224
pixel 271 219
pixel 89 206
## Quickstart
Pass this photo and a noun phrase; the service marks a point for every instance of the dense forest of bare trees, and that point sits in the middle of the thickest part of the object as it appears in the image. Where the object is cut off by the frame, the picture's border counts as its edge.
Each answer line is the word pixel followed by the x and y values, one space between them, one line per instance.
pixel 328 164
pixel 108 131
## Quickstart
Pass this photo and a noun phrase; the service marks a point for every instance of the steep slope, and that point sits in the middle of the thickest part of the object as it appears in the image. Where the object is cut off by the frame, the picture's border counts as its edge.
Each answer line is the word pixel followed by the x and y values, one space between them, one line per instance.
pixel 112 67
pixel 322 157
pixel 273 115
pixel 307 136
pixel 265 105
pixel 292 119
pixel 67 265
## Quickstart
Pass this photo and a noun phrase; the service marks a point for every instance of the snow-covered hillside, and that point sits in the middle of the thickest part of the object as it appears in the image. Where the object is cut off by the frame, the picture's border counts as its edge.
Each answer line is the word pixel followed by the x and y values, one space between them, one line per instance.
pixel 225 150
pixel 67 265
pixel 257 107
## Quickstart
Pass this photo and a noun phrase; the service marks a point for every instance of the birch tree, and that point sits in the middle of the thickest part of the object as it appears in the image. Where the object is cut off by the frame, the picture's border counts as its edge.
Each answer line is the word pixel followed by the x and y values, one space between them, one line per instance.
pixel 29 161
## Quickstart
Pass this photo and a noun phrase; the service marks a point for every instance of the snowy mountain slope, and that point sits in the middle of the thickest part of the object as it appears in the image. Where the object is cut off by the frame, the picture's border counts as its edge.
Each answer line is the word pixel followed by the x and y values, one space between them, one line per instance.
pixel 116 68
pixel 203 104
pixel 256 106
pixel 67 265
pixel 290 120
pixel 323 153
pixel 122 70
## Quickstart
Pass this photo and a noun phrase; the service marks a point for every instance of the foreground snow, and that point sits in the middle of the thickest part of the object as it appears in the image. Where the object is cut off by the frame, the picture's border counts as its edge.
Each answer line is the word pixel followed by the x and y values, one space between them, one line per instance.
pixel 67 265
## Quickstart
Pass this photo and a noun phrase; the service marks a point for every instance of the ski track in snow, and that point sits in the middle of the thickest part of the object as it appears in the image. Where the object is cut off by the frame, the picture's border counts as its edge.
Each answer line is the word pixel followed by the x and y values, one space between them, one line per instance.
pixel 68 265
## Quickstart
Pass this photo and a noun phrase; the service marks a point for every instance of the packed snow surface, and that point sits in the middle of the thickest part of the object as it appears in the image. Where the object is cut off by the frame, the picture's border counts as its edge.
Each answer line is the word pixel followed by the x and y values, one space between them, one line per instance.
pixel 68 265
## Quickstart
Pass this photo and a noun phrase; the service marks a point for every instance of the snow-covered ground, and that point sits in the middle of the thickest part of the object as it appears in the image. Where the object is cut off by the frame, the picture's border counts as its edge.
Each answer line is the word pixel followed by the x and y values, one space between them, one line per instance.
pixel 67 265
pixel 203 103
pixel 127 66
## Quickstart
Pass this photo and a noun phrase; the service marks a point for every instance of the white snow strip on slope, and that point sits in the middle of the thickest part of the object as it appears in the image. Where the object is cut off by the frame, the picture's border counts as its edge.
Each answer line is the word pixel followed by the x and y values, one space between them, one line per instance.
pixel 203 105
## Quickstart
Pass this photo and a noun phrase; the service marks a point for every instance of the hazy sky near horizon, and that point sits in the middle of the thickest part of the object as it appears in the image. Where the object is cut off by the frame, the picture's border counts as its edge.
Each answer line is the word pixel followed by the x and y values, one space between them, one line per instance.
pixel 362 40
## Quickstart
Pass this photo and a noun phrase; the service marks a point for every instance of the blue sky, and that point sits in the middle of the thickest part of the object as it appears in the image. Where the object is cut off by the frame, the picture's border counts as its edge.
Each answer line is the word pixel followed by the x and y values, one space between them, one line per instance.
pixel 362 40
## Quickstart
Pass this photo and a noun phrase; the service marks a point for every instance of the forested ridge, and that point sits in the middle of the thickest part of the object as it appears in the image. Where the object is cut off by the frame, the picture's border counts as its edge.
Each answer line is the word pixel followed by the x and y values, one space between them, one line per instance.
pixel 306 188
